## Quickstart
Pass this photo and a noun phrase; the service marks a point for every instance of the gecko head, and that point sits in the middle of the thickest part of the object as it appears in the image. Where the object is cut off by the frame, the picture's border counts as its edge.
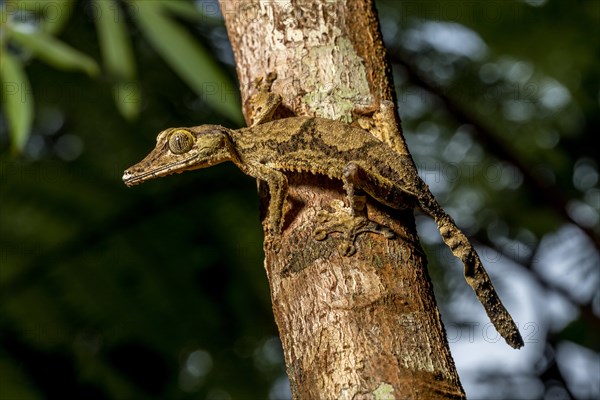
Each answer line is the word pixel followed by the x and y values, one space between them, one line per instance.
pixel 181 149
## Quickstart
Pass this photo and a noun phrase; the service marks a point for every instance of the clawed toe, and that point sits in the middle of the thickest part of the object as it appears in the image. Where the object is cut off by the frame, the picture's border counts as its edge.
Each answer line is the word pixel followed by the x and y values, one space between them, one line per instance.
pixel 343 221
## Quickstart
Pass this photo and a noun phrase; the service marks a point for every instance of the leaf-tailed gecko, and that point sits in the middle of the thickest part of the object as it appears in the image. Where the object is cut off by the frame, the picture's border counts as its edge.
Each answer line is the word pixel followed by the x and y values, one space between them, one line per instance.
pixel 270 149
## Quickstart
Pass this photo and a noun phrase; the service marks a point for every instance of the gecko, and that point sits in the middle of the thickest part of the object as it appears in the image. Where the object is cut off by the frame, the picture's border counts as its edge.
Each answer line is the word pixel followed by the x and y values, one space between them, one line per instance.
pixel 270 149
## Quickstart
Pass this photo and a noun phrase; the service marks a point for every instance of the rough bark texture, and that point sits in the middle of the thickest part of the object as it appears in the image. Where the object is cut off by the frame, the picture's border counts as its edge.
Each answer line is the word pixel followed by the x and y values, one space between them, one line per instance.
pixel 365 326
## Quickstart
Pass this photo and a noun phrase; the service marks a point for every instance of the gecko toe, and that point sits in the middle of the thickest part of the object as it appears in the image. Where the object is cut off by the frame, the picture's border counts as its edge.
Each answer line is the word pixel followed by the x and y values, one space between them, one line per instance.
pixel 349 225
pixel 320 234
pixel 386 232
pixel 347 249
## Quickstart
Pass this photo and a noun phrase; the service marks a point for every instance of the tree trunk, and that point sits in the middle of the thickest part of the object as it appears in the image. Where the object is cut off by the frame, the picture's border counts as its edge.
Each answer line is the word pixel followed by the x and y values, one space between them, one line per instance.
pixel 364 326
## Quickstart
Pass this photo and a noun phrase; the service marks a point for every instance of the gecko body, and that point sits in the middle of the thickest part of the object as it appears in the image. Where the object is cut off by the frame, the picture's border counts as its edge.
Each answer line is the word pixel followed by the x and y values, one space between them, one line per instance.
pixel 270 150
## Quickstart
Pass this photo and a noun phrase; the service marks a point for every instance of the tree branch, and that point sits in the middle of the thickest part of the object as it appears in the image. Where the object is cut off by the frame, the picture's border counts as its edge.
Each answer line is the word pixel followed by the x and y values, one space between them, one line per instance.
pixel 350 326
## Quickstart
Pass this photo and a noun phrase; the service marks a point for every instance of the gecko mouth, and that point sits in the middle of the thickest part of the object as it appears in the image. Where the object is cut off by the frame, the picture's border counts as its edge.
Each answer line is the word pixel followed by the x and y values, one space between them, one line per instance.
pixel 132 178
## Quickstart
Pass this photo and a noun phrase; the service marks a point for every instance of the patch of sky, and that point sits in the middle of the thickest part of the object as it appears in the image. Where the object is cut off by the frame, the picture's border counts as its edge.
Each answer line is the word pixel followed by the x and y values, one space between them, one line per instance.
pixel 553 95
pixel 415 102
pixel 535 3
pixel 458 147
pixel 585 174
pixel 517 111
pixel 445 37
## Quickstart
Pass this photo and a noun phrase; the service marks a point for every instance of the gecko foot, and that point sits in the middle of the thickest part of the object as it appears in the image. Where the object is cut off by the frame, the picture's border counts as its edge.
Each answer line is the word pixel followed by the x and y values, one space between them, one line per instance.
pixel 273 243
pixel 342 220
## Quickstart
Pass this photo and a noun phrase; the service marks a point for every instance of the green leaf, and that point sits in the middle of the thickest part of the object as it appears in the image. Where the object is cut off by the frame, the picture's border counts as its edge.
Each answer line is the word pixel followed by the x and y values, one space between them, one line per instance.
pixel 188 58
pixel 118 56
pixel 17 99
pixel 53 15
pixel 52 50
pixel 56 15
pixel 128 99
pixel 208 13
pixel 13 6
pixel 114 40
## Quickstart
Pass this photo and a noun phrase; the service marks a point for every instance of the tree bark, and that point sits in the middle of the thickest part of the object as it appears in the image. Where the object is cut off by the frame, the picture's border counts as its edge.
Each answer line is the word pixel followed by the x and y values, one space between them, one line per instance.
pixel 359 327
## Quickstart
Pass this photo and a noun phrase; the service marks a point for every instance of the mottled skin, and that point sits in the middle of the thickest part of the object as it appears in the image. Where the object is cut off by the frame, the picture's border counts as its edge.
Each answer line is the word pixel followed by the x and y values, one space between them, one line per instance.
pixel 270 150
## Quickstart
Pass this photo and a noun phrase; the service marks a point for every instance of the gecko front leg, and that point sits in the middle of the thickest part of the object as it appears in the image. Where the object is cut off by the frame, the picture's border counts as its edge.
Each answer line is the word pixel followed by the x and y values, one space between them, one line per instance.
pixel 264 103
pixel 277 183
pixel 350 221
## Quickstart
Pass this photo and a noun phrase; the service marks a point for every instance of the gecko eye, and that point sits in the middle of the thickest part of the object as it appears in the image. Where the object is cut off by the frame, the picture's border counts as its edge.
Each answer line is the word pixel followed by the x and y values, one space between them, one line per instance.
pixel 181 141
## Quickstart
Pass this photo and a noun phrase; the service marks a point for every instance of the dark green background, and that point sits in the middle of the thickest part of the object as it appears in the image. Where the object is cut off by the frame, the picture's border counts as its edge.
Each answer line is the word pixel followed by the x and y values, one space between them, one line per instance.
pixel 159 291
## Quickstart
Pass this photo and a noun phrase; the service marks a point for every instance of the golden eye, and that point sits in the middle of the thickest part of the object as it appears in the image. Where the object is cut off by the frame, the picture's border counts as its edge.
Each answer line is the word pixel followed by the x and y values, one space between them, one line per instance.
pixel 181 141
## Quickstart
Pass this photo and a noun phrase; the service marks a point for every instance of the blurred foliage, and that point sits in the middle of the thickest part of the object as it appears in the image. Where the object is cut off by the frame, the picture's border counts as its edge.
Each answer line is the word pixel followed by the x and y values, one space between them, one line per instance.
pixel 29 26
pixel 159 291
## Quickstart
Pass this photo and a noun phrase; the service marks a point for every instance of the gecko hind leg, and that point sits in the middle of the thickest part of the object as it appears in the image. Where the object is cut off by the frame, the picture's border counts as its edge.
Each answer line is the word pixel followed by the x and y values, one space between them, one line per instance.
pixel 352 220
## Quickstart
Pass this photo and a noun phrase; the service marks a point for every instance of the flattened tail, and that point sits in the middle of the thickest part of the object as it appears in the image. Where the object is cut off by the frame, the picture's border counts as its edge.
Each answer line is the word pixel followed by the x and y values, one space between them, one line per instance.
pixel 475 274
